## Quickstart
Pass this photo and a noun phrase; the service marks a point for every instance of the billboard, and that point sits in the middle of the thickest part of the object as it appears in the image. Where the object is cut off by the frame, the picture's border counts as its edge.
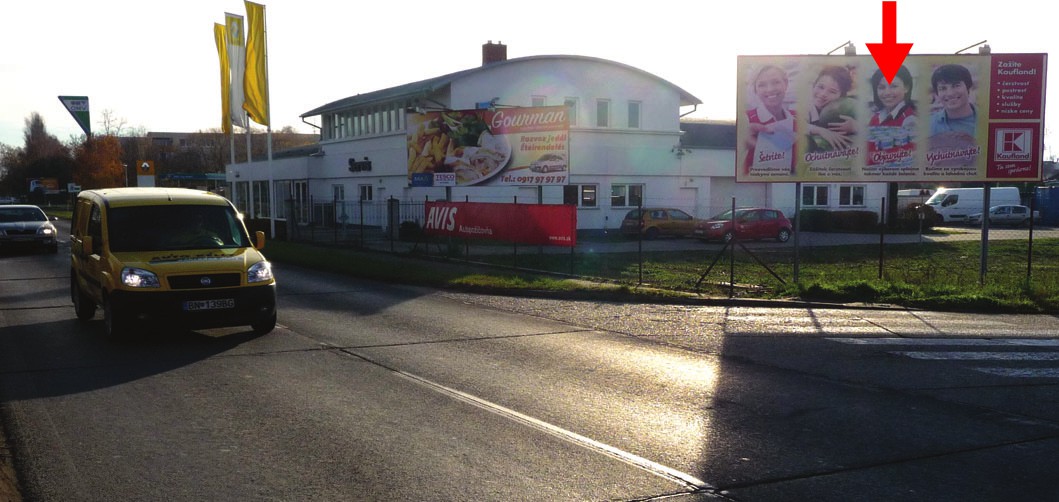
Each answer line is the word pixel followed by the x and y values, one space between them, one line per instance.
pixel 951 118
pixel 503 146
pixel 539 224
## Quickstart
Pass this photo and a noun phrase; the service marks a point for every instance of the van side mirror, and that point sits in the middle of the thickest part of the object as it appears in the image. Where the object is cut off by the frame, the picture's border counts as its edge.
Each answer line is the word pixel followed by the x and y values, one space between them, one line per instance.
pixel 259 240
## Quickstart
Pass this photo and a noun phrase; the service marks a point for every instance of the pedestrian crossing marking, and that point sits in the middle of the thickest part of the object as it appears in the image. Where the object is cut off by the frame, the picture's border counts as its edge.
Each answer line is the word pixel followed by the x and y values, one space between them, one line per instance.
pixel 1047 354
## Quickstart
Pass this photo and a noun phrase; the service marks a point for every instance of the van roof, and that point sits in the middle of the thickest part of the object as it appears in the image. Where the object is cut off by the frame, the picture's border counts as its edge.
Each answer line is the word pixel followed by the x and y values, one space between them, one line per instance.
pixel 143 196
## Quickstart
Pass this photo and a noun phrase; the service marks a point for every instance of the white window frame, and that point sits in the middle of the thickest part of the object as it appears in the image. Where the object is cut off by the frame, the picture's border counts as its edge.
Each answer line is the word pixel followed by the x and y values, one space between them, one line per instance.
pixel 635 112
pixel 847 195
pixel 366 192
pixel 538 101
pixel 571 105
pixel 622 194
pixel 602 113
pixel 817 192
pixel 587 194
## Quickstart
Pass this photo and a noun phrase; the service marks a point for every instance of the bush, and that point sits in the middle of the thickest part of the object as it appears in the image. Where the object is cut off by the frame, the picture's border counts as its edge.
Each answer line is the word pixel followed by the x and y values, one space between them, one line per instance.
pixel 822 220
pixel 908 217
pixel 409 231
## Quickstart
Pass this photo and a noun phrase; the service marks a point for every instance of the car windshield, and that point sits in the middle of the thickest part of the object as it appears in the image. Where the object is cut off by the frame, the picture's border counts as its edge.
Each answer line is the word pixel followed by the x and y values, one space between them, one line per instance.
pixel 13 214
pixel 727 215
pixel 171 228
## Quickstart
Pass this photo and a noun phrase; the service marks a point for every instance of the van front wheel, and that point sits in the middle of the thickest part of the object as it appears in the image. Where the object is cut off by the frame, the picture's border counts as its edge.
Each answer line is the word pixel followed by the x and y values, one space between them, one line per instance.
pixel 84 307
pixel 115 325
pixel 265 326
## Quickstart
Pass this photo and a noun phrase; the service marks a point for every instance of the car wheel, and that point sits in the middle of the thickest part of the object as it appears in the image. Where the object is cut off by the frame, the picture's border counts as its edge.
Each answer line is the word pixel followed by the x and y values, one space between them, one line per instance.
pixel 265 326
pixel 115 325
pixel 784 235
pixel 84 307
pixel 651 233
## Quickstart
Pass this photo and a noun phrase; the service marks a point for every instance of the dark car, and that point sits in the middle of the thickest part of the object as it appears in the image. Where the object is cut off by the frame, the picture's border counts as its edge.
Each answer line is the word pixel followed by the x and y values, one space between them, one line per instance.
pixel 750 224
pixel 656 221
pixel 26 226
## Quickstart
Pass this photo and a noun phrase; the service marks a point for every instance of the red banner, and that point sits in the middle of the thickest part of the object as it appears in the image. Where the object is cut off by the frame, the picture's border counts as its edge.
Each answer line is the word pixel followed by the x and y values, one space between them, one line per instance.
pixel 539 224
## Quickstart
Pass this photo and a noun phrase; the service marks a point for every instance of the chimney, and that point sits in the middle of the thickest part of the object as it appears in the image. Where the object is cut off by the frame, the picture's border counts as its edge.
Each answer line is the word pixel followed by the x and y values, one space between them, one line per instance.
pixel 493 53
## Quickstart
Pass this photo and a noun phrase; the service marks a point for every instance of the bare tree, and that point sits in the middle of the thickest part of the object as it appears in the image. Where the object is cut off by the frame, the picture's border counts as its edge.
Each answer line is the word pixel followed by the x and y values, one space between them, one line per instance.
pixel 112 125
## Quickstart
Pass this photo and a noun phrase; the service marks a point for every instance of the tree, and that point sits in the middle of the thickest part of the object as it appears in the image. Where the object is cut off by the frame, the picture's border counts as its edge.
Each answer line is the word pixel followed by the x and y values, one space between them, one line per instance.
pixel 42 156
pixel 99 163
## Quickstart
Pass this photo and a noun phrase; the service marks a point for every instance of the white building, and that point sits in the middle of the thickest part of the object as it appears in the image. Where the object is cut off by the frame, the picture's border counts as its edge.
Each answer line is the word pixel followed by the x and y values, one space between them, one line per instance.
pixel 625 146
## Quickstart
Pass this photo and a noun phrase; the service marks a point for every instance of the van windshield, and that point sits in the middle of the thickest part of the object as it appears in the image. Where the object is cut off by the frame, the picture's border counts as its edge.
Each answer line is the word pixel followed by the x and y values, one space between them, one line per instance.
pixel 935 199
pixel 174 227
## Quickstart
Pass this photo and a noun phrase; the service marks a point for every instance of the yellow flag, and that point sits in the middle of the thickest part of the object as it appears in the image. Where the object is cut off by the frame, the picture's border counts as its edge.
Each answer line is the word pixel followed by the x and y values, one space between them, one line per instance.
pixel 220 35
pixel 255 85
pixel 237 66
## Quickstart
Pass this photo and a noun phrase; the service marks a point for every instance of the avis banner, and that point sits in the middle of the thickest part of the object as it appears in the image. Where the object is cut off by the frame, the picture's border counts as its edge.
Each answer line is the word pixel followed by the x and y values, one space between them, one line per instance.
pixel 537 224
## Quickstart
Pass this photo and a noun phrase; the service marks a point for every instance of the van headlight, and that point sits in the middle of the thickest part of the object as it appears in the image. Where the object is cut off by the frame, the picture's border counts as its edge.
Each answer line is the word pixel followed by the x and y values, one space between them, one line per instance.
pixel 259 272
pixel 138 278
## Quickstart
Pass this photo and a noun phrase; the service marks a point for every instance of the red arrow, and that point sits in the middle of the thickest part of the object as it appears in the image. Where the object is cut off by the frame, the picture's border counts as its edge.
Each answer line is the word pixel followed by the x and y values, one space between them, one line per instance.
pixel 889 55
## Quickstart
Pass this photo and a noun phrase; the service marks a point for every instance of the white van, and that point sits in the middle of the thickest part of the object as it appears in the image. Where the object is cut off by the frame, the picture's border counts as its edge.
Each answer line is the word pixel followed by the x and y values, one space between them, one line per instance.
pixel 953 205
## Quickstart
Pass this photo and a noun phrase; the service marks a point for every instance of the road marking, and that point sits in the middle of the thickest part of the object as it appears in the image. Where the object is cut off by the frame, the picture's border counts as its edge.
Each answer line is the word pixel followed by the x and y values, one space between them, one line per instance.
pixel 971 355
pixel 690 482
pixel 980 356
pixel 956 342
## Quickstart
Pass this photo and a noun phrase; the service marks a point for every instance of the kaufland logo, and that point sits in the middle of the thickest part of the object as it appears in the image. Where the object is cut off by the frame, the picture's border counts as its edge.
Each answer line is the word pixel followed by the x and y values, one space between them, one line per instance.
pixel 1014 145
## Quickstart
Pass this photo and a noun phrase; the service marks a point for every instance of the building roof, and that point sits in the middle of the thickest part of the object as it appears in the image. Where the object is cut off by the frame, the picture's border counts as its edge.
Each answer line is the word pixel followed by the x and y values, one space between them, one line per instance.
pixel 709 134
pixel 425 88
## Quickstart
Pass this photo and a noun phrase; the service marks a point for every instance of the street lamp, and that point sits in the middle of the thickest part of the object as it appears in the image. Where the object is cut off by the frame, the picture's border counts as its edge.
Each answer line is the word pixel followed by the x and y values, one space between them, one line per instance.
pixel 125 171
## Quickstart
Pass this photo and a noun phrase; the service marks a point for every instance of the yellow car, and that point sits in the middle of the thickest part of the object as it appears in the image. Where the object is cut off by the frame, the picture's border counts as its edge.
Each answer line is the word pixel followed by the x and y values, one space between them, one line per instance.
pixel 167 257
pixel 657 221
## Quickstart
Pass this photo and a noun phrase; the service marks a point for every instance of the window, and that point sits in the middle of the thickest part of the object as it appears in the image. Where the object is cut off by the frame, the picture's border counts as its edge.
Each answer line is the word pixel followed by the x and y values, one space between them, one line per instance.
pixel 851 195
pixel 634 114
pixel 261 202
pixel 602 113
pixel 538 101
pixel 571 105
pixel 367 192
pixel 580 195
pixel 283 198
pixel 338 192
pixel 814 195
pixel 626 195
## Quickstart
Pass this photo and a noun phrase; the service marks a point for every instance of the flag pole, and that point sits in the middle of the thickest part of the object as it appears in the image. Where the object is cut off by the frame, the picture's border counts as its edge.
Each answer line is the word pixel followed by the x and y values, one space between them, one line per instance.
pixel 268 106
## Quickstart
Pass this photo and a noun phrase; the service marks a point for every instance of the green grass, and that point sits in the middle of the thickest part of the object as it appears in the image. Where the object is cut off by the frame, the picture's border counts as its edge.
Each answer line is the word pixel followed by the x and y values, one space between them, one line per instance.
pixel 941 276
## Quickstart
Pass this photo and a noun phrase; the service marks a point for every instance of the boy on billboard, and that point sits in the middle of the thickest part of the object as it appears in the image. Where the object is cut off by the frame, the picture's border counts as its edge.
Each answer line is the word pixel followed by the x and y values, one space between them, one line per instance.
pixel 952 85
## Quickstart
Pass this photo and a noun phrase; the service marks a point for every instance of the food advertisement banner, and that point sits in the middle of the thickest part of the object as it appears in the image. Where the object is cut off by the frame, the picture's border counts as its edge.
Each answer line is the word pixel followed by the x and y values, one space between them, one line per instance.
pixel 538 224
pixel 950 118
pixel 503 146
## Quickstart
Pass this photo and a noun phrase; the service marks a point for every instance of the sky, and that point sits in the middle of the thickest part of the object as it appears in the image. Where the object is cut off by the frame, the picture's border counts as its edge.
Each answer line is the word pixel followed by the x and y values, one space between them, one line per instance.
pixel 154 64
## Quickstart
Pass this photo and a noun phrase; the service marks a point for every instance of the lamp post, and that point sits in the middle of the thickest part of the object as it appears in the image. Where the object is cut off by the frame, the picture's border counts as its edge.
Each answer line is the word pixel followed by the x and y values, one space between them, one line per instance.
pixel 125 171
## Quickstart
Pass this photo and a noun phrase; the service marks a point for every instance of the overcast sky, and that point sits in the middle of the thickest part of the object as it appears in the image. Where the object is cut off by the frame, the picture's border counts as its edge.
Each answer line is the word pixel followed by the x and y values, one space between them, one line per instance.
pixel 154 64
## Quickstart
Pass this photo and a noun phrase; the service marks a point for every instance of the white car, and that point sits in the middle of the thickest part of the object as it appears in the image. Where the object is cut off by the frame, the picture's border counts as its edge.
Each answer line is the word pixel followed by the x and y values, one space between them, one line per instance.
pixel 548 162
pixel 1003 215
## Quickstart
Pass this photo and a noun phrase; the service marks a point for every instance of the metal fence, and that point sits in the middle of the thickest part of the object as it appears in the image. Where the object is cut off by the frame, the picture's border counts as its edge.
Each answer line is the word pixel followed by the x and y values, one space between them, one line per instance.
pixel 827 246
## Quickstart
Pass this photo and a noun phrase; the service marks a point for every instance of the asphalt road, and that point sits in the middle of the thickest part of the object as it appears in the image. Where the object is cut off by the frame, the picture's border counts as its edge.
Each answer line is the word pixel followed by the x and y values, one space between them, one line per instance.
pixel 369 391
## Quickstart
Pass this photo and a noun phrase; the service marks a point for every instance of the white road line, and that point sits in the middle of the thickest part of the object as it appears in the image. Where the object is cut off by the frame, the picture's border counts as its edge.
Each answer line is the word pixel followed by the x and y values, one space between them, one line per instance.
pixel 1021 372
pixel 980 356
pixel 690 482
pixel 955 342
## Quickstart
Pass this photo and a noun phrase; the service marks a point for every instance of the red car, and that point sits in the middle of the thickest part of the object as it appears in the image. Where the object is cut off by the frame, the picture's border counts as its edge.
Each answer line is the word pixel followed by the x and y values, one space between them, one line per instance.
pixel 750 223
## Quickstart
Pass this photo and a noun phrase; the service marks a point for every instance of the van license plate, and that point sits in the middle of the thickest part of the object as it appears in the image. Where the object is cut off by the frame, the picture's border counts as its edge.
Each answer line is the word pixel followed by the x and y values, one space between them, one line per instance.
pixel 224 303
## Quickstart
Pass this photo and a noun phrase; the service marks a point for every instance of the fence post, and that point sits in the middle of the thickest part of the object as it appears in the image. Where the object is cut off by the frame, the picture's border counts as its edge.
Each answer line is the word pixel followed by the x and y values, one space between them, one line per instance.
pixel 882 235
pixel 360 205
pixel 1029 248
pixel 797 228
pixel 731 255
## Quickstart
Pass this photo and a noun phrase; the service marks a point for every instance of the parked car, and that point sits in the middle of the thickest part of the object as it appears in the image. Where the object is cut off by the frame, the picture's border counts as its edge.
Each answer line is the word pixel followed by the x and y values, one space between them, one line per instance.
pixel 657 221
pixel 1003 215
pixel 27 226
pixel 750 224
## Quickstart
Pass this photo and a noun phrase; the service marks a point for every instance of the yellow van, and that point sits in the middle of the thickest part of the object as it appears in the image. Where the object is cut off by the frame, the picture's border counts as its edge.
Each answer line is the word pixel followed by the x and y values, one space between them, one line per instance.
pixel 167 257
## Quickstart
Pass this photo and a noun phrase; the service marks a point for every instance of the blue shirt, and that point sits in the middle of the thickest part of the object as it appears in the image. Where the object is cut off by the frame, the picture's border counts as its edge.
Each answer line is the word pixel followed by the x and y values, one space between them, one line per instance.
pixel 940 122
